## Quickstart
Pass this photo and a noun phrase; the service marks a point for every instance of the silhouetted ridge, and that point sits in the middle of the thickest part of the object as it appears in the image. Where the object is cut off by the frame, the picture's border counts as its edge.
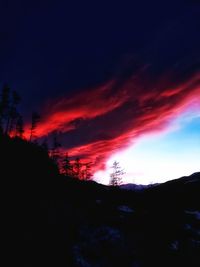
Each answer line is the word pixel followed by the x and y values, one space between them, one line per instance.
pixel 25 162
pixel 56 220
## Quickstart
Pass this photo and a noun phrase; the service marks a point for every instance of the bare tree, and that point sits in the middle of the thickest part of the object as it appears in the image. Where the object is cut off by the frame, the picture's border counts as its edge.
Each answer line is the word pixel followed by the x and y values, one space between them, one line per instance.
pixel 116 175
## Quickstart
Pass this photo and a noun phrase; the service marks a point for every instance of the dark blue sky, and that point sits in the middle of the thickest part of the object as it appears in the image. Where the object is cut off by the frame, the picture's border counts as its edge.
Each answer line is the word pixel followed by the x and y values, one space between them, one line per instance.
pixel 105 73
pixel 48 48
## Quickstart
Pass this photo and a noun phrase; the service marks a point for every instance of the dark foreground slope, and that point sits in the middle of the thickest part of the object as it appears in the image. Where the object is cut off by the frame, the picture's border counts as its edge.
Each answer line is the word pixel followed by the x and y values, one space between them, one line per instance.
pixel 57 221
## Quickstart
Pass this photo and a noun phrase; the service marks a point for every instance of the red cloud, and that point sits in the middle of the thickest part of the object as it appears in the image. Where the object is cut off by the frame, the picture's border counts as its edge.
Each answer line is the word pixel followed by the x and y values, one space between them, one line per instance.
pixel 59 115
pixel 99 122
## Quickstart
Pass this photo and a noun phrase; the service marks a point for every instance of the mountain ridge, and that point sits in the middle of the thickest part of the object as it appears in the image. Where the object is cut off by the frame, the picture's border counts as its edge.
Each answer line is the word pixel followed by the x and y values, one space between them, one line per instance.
pixel 56 220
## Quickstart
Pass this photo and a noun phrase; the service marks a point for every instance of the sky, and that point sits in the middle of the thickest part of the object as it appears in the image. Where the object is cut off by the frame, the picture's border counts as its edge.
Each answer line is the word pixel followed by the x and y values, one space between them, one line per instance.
pixel 160 157
pixel 117 81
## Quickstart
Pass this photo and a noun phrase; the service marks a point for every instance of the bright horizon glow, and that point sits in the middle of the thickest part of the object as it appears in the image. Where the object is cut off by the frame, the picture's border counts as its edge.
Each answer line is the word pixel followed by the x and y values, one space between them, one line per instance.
pixel 156 158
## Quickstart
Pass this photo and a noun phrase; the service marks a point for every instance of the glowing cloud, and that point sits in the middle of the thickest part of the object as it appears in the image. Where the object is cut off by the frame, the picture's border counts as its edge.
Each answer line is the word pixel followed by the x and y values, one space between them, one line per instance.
pixel 97 123
pixel 161 157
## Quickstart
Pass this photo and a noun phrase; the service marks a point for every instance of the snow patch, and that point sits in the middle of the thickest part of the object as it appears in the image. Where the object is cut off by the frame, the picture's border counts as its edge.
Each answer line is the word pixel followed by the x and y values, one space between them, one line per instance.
pixel 174 245
pixel 126 209
pixel 195 214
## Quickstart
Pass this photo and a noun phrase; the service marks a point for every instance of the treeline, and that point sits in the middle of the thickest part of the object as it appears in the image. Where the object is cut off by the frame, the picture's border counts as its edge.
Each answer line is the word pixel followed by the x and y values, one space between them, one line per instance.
pixel 12 125
pixel 11 120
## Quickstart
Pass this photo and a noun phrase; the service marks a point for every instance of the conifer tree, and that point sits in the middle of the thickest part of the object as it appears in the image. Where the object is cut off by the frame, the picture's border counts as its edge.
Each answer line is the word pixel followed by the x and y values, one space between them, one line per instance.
pixel 9 114
pixel 67 167
pixel 77 168
pixel 44 145
pixel 116 175
pixel 13 113
pixel 34 123
pixel 19 127
pixel 87 171
pixel 55 152
pixel 4 108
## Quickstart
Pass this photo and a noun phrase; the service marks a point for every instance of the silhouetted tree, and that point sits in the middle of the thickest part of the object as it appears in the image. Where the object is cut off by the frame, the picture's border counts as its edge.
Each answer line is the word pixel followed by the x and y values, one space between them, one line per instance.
pixel 67 167
pixel 77 168
pixel 87 175
pixel 34 122
pixel 1 124
pixel 19 127
pixel 44 145
pixel 13 112
pixel 55 152
pixel 4 108
pixel 8 110
pixel 116 175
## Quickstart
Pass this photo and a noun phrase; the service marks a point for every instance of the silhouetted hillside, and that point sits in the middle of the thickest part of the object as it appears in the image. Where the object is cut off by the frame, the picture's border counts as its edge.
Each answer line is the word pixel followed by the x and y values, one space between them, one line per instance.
pixel 55 220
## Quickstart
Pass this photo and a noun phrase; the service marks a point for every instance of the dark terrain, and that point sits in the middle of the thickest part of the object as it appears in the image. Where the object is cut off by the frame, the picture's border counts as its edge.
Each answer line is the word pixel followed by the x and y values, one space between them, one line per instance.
pixel 54 220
